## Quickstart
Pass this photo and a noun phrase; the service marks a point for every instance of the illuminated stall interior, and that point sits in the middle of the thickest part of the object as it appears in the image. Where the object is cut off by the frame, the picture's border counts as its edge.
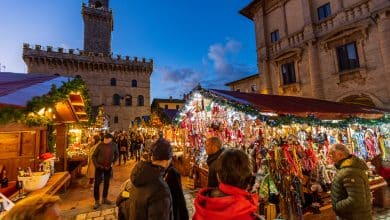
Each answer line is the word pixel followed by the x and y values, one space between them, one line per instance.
pixel 32 109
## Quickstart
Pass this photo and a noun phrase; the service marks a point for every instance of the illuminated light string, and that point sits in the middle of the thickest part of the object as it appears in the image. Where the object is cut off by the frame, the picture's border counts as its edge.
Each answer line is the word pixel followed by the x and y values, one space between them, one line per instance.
pixel 34 113
pixel 272 119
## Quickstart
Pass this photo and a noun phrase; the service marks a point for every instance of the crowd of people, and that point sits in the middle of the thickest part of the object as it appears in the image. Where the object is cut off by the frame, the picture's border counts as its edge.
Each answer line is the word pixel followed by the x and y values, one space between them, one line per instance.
pixel 154 189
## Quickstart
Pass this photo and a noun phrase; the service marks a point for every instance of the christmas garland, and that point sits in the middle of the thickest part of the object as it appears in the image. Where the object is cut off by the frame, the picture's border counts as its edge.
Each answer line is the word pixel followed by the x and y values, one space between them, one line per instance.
pixel 288 119
pixel 27 116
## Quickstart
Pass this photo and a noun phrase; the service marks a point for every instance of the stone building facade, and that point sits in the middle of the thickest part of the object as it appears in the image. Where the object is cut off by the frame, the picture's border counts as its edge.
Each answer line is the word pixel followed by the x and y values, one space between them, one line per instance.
pixel 247 84
pixel 171 103
pixel 120 84
pixel 327 49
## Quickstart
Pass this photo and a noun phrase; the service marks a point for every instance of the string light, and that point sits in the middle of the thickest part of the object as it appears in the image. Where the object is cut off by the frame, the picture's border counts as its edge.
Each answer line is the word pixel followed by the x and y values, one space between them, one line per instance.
pixel 275 120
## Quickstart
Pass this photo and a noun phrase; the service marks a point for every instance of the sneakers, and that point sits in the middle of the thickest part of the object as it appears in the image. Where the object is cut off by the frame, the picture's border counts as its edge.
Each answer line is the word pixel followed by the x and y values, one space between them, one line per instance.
pixel 107 202
pixel 96 206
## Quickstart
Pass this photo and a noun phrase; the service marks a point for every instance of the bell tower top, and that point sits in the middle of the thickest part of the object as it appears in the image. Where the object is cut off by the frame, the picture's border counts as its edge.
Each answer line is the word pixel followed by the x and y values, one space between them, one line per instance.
pixel 99 4
pixel 98 25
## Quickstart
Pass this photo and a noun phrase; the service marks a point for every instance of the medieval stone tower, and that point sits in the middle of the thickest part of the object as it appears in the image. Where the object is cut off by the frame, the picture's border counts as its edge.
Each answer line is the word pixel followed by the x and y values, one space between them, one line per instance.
pixel 120 84
pixel 98 25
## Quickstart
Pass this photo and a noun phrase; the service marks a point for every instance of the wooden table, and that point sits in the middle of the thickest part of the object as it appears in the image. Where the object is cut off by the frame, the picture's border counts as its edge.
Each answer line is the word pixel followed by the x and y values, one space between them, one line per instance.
pixel 10 189
pixel 202 177
pixel 53 185
pixel 376 184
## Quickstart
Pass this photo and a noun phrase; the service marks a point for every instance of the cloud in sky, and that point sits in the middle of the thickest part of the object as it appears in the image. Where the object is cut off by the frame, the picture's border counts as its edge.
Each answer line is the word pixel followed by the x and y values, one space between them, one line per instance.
pixel 219 67
pixel 218 53
pixel 177 81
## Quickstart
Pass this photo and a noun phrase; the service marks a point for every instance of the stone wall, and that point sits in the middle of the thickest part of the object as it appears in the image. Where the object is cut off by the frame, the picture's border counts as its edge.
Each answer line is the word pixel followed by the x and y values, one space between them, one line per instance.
pixel 97 71
pixel 311 45
pixel 246 85
pixel 98 25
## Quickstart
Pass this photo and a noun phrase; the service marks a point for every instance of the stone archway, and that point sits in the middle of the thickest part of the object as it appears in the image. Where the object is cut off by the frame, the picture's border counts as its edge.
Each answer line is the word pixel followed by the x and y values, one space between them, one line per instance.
pixel 362 99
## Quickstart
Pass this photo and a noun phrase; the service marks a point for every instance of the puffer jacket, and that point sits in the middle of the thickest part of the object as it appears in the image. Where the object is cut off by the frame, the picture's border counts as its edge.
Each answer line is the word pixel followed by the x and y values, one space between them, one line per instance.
pixel 350 192
pixel 150 197
pixel 226 203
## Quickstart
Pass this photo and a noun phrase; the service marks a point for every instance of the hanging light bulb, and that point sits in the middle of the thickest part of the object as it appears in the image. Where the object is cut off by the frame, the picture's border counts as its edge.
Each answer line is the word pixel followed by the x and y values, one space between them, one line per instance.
pixel 41 111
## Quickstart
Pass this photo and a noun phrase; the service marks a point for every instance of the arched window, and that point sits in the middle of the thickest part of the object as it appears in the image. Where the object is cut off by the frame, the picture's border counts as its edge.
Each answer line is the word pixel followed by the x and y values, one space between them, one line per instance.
pixel 134 83
pixel 78 76
pixel 113 82
pixel 116 99
pixel 140 100
pixel 362 99
pixel 56 74
pixel 128 100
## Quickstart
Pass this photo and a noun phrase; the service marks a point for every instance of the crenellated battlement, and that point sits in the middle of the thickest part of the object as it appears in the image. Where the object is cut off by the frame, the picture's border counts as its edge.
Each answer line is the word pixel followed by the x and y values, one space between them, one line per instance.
pixel 101 12
pixel 99 61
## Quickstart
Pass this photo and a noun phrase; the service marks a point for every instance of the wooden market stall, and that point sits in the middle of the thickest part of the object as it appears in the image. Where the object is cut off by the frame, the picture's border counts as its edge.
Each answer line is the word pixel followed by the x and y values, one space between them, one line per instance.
pixel 288 139
pixel 35 111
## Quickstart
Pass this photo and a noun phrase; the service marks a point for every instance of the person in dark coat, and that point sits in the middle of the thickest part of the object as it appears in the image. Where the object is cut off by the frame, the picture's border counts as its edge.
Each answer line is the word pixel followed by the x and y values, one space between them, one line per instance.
pixel 123 148
pixel 150 198
pixel 139 141
pixel 350 191
pixel 173 179
pixel 213 150
pixel 104 156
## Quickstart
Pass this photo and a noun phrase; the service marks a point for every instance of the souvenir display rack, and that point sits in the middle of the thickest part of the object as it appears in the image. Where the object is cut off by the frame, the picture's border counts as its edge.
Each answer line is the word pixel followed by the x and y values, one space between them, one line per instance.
pixel 287 138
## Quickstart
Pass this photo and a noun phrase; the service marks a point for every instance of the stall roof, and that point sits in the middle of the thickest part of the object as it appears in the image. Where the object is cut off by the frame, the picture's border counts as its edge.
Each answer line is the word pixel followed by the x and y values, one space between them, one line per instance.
pixel 170 113
pixel 16 89
pixel 301 107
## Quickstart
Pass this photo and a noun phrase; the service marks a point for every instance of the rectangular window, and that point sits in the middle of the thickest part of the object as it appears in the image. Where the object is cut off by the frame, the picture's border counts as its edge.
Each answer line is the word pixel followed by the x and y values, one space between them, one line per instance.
pixel 324 11
pixel 288 73
pixel 177 107
pixel 275 36
pixel 166 106
pixel 116 119
pixel 347 56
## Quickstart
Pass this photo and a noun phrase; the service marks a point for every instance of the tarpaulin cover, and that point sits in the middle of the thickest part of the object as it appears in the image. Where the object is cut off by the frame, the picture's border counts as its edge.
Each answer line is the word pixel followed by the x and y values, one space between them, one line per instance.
pixel 16 89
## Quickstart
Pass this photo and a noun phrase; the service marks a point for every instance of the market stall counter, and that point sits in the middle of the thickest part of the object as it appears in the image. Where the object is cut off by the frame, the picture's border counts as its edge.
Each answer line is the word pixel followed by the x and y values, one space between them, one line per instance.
pixel 56 182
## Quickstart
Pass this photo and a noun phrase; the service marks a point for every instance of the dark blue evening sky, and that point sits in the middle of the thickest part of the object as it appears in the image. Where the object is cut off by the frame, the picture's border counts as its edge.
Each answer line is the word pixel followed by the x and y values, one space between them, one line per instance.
pixel 190 41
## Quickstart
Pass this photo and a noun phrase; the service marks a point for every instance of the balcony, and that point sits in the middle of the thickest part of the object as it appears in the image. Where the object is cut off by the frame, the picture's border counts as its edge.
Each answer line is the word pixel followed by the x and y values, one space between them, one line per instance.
pixel 348 16
pixel 293 40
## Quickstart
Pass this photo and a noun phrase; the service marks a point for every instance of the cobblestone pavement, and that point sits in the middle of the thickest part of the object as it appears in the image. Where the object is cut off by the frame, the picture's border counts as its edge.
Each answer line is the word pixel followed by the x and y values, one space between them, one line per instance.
pixel 78 200
pixel 381 214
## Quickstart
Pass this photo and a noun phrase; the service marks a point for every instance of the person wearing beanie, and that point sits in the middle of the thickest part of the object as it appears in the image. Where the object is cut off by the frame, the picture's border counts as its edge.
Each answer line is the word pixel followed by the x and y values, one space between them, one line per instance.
pixel 150 197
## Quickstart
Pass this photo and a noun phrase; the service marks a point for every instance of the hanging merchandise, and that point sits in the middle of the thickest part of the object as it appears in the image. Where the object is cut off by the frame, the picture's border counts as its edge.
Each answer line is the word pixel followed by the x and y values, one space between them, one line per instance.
pixel 289 148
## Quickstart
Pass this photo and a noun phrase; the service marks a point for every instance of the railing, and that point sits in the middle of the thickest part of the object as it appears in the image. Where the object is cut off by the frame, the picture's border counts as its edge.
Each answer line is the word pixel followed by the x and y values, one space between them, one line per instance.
pixel 295 38
pixel 349 15
pixel 292 40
